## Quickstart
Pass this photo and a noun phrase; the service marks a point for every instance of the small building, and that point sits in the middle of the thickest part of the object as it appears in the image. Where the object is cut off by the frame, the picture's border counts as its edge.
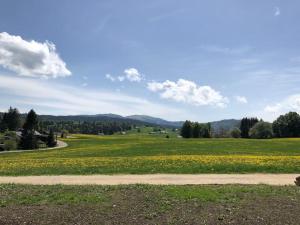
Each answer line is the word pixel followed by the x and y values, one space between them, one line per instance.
pixel 42 138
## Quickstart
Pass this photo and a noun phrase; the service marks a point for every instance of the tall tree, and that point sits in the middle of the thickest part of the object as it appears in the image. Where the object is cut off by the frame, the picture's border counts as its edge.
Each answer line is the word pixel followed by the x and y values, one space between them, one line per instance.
pixel 51 142
pixel 246 125
pixel 28 139
pixel 187 129
pixel 196 130
pixel 11 120
pixel 206 130
pixel 31 122
pixel 287 125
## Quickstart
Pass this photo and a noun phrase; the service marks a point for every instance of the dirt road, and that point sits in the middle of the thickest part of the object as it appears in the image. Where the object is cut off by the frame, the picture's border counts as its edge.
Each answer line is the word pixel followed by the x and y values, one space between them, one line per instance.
pixel 157 179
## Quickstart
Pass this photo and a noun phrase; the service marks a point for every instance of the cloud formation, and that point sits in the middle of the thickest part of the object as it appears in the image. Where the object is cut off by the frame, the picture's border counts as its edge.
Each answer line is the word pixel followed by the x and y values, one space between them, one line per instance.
pixel 241 99
pixel 130 74
pixel 31 58
pixel 291 103
pixel 69 100
pixel 110 77
pixel 133 75
pixel 188 92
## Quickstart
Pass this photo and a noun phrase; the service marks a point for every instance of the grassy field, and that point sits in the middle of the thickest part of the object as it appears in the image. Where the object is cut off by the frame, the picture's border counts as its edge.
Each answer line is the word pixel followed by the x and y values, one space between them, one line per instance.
pixel 145 204
pixel 141 153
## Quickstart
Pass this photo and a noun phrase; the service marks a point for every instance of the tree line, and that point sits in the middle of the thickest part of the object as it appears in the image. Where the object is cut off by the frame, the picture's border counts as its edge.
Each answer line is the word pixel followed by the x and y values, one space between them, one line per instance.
pixel 11 123
pixel 287 125
pixel 195 130
pixel 85 127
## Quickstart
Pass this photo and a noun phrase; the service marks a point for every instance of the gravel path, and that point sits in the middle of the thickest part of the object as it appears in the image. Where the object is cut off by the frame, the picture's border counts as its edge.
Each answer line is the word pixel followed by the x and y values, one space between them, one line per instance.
pixel 158 179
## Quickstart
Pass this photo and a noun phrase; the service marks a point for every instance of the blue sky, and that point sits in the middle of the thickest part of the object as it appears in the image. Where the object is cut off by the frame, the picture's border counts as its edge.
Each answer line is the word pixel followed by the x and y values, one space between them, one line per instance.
pixel 198 60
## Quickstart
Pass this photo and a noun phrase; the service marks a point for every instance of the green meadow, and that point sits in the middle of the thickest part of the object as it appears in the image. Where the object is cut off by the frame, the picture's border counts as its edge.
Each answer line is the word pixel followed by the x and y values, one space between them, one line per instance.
pixel 143 153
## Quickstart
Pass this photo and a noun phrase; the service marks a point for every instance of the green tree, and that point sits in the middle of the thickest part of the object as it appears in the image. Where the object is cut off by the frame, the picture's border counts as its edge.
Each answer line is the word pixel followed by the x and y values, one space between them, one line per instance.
pixel 187 129
pixel 246 125
pixel 261 130
pixel 196 130
pixel 51 142
pixel 11 120
pixel 235 133
pixel 206 130
pixel 31 122
pixel 287 125
pixel 28 139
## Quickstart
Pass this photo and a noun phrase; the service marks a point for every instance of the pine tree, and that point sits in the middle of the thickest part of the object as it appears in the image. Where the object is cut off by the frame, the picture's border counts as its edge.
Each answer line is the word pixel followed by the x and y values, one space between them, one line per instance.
pixel 51 142
pixel 11 120
pixel 246 125
pixel 31 121
pixel 187 129
pixel 196 130
pixel 28 139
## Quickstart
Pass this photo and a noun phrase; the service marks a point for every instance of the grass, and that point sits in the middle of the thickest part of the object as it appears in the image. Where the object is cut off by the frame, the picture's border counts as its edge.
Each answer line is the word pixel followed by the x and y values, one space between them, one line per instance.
pixel 11 194
pixel 147 204
pixel 142 153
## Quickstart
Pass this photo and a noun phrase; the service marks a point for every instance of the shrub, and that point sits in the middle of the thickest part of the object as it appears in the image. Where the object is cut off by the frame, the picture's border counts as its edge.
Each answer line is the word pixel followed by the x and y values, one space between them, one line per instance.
pixel 261 130
pixel 64 134
pixel 235 133
pixel 10 145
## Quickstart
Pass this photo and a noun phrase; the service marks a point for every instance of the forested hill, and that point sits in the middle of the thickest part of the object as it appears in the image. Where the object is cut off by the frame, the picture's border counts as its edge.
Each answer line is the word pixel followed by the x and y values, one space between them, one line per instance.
pixel 109 118
pixel 155 120
pixel 224 125
pixel 137 120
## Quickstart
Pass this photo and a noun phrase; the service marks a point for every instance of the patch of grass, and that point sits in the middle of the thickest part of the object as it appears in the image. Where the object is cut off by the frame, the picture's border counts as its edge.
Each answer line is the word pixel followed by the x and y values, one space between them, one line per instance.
pixel 11 194
pixel 228 193
pixel 148 204
pixel 142 153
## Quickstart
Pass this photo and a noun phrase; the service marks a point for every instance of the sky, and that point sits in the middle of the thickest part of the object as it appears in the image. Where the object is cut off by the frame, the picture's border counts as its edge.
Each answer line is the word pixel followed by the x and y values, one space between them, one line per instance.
pixel 178 60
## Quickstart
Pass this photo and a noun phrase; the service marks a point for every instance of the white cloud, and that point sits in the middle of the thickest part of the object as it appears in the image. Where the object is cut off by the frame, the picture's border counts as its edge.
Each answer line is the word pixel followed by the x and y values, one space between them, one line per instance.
pixel 110 77
pixel 84 84
pixel 130 74
pixel 188 92
pixel 64 99
pixel 133 75
pixel 31 58
pixel 277 11
pixel 121 78
pixel 241 99
pixel 291 103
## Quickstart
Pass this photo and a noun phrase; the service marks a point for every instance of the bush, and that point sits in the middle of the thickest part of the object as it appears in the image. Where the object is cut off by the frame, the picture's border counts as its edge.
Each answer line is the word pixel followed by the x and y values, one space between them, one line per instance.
pixel 10 145
pixel 235 133
pixel 64 134
pixel 261 130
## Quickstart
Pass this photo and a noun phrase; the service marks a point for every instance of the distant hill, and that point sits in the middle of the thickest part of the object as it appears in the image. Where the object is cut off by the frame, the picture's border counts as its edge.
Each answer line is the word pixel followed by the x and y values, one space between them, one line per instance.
pixel 94 118
pixel 155 120
pixel 225 125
